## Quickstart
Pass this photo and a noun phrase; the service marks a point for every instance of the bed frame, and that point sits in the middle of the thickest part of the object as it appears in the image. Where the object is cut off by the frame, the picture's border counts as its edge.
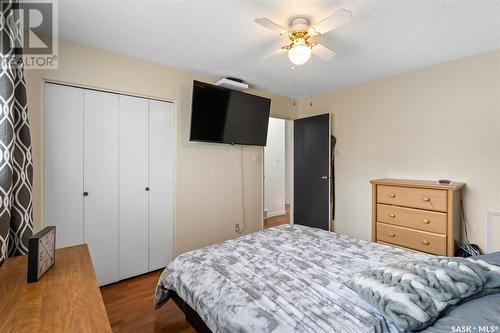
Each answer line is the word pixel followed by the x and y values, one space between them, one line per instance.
pixel 191 316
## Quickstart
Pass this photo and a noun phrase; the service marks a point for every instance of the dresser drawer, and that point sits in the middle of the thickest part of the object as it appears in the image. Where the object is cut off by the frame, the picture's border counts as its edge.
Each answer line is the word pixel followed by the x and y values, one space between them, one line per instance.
pixel 412 218
pixel 413 239
pixel 428 199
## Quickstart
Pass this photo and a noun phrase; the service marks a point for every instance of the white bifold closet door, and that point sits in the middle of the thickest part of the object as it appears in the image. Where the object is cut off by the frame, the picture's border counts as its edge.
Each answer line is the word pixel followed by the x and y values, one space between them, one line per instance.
pixel 101 182
pixel 161 180
pixel 63 181
pixel 108 182
pixel 134 252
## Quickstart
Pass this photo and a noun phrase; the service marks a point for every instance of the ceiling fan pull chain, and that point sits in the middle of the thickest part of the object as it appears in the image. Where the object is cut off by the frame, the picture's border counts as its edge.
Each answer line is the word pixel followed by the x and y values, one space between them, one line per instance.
pixel 310 83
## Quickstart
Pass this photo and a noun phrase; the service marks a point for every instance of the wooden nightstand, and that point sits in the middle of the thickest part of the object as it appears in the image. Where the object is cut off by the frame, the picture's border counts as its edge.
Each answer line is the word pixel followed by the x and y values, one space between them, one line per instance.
pixel 66 299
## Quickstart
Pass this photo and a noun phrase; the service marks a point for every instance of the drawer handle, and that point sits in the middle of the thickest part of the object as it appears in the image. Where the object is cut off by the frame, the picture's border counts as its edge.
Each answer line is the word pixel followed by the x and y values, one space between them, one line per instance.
pixel 426 199
pixel 392 195
pixel 425 242
pixel 392 215
pixel 391 234
pixel 426 221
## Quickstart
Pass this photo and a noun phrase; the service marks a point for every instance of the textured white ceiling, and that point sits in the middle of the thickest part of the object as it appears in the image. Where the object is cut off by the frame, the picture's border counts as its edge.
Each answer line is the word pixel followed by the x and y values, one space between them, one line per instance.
pixel 220 38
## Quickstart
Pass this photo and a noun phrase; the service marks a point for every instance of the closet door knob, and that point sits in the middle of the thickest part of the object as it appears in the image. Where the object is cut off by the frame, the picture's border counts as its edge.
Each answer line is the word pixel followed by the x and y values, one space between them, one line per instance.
pixel 425 221
pixel 392 215
pixel 324 177
pixel 392 195
pixel 85 194
pixel 425 242
pixel 391 234
pixel 147 188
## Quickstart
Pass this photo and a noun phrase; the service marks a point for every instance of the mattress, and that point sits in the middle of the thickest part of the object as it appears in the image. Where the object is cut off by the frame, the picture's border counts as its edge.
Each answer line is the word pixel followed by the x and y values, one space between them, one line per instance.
pixel 290 278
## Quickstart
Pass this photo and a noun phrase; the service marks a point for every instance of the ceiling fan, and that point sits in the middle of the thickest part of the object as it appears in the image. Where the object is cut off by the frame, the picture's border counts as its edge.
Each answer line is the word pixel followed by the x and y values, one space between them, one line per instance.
pixel 304 37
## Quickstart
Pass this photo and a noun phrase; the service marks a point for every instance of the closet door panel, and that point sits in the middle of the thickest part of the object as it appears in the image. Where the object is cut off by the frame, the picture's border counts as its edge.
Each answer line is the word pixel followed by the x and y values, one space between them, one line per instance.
pixel 133 182
pixel 63 170
pixel 101 182
pixel 161 177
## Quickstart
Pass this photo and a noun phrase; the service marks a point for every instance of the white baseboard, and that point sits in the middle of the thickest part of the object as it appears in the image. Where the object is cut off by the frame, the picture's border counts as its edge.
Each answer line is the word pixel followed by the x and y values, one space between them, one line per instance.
pixel 272 214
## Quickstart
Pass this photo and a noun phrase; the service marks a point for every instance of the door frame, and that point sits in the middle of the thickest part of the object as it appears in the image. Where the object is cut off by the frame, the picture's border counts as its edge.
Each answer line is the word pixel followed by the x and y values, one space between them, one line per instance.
pixel 290 169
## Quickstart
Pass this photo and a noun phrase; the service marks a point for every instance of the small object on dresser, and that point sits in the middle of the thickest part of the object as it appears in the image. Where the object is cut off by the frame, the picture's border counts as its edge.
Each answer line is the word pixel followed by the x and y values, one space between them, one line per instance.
pixel 444 182
pixel 41 254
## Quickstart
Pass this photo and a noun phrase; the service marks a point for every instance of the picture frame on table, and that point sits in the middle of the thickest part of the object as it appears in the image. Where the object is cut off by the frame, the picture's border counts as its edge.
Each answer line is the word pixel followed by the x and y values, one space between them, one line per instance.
pixel 41 253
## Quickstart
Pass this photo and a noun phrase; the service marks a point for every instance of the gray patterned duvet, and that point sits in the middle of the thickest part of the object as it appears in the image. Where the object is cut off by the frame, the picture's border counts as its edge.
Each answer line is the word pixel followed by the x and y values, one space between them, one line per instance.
pixel 286 279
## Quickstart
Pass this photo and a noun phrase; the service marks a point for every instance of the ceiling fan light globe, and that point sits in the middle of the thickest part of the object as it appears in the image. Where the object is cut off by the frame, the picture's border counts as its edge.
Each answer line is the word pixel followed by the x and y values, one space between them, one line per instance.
pixel 299 54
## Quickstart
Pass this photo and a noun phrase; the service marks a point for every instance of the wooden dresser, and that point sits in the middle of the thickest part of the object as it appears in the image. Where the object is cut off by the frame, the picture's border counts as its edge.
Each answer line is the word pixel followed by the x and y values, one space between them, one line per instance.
pixel 415 214
pixel 66 299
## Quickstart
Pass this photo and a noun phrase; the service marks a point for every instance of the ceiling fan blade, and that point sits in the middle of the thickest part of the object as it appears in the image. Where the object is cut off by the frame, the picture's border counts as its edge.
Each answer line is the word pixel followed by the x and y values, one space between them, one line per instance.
pixel 267 23
pixel 323 52
pixel 273 55
pixel 337 19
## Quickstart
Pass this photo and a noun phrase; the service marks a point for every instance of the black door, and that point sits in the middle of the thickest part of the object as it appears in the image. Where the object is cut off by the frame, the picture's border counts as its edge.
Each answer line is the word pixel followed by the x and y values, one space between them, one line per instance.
pixel 311 183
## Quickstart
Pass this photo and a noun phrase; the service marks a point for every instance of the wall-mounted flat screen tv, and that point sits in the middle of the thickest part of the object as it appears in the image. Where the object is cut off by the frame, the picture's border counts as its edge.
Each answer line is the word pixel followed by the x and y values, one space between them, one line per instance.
pixel 224 115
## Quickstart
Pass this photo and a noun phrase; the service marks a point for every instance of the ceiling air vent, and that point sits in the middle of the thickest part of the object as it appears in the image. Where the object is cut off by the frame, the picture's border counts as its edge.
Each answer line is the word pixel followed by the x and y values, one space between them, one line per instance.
pixel 232 83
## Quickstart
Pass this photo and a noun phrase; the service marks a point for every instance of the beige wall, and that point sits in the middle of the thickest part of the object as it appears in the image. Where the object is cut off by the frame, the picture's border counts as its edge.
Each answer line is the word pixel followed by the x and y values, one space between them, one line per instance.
pixel 208 190
pixel 437 122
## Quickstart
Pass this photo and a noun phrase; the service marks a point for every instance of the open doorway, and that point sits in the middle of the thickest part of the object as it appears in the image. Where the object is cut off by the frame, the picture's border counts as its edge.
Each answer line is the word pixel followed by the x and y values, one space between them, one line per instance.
pixel 278 173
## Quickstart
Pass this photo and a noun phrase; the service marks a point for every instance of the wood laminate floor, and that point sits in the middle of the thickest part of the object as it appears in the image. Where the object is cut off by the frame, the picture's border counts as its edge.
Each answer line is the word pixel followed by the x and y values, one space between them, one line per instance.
pixel 129 305
pixel 278 220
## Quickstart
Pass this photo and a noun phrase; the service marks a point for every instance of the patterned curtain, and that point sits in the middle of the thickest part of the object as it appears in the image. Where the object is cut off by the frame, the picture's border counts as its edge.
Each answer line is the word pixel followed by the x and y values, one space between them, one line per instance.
pixel 16 167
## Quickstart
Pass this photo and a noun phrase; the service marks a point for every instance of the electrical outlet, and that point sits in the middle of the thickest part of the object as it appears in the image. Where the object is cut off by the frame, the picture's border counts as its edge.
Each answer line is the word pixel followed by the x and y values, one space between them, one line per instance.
pixel 237 227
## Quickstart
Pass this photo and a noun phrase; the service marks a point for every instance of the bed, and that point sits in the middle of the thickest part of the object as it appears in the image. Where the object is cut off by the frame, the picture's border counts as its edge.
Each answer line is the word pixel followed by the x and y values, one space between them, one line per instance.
pixel 289 278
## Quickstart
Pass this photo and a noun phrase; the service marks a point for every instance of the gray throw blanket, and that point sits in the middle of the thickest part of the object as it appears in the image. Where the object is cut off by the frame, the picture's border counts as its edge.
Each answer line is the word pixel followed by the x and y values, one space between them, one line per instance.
pixel 412 294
